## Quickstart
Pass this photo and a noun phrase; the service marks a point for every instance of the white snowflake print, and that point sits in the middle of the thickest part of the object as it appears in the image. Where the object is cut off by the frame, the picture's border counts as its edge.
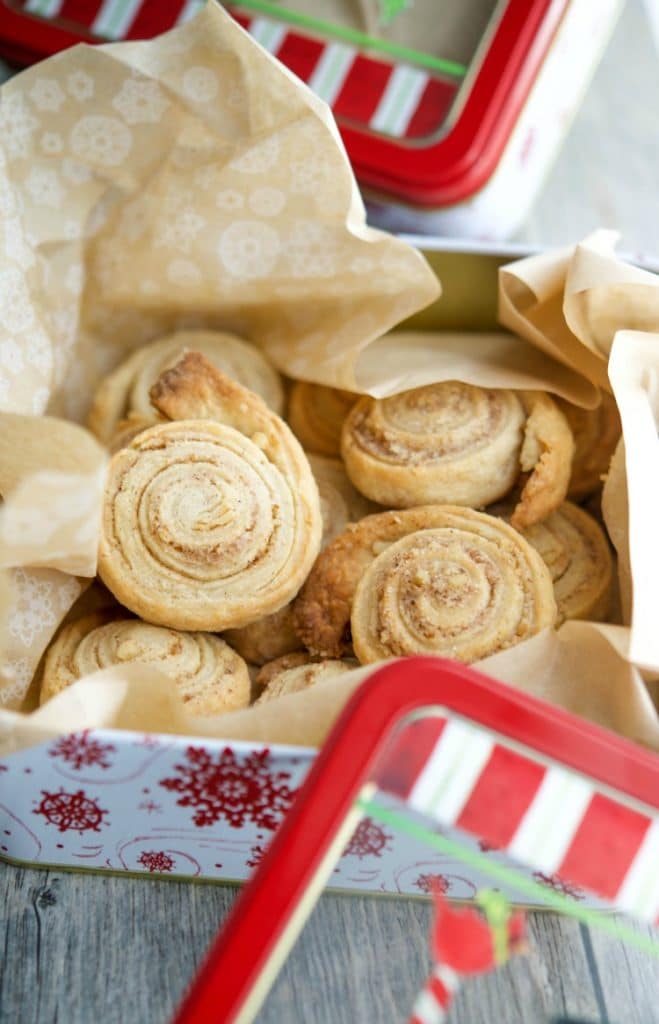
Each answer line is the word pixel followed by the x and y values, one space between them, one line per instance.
pixel 311 250
pixel 183 272
pixel 258 158
pixel 18 678
pixel 40 400
pixel 140 102
pixel 11 356
pixel 16 312
pixel 46 94
pixel 200 84
pixel 267 202
pixel 66 592
pixel 74 279
pixel 65 324
pixel 308 176
pixel 17 125
pixel 102 140
pixel 180 230
pixel 229 199
pixel 33 611
pixel 51 143
pixel 80 85
pixel 249 249
pixel 44 186
pixel 75 172
pixel 15 243
pixel 39 352
pixel 5 387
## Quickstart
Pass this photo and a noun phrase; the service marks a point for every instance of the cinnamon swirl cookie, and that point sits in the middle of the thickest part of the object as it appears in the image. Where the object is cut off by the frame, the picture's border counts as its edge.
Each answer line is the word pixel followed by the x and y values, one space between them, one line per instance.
pixel 464 590
pixel 576 552
pixel 316 414
pixel 274 635
pixel 210 677
pixel 281 677
pixel 596 433
pixel 323 608
pixel 126 390
pixel 208 523
pixel 456 443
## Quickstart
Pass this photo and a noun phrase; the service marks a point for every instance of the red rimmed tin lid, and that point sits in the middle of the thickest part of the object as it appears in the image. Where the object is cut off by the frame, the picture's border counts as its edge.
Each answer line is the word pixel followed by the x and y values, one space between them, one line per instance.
pixel 390 109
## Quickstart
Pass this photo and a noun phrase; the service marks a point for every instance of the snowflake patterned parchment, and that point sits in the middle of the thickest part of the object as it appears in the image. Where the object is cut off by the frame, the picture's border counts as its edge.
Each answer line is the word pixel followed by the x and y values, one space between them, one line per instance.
pixel 79 751
pixel 368 840
pixel 71 812
pixel 559 885
pixel 156 860
pixel 232 787
pixel 430 883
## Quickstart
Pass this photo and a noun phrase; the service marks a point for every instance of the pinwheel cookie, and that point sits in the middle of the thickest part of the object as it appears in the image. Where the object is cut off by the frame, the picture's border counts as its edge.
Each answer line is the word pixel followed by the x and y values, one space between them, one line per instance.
pixel 210 677
pixel 576 552
pixel 316 414
pixel 126 390
pixel 212 521
pixel 596 433
pixel 296 672
pixel 473 586
pixel 340 504
pixel 459 444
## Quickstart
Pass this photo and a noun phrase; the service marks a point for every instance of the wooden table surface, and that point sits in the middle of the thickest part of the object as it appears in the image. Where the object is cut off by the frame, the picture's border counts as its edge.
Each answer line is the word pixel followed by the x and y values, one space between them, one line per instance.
pixel 80 949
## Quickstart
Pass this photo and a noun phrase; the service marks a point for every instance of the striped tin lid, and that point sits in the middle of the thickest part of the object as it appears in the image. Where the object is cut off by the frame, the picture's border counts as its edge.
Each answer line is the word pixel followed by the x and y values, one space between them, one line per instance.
pixel 394 99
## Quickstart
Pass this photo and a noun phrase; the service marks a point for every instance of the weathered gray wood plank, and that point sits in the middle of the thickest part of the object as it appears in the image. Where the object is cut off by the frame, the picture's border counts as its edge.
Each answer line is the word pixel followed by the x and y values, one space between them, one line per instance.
pixel 78 949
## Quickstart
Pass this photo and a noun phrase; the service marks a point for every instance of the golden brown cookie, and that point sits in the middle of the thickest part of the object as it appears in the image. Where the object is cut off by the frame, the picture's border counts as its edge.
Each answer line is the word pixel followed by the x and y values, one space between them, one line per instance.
pixel 316 414
pixel 596 433
pixel 459 444
pixel 126 390
pixel 209 523
pixel 575 550
pixel 323 608
pixel 268 638
pixel 210 677
pixel 464 590
pixel 284 680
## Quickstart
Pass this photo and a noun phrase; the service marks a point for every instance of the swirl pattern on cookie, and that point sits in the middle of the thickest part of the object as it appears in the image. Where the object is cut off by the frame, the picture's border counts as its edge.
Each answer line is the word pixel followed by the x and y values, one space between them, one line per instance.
pixel 208 523
pixel 282 680
pixel 464 590
pixel 316 414
pixel 596 433
pixel 573 547
pixel 210 677
pixel 126 390
pixel 443 443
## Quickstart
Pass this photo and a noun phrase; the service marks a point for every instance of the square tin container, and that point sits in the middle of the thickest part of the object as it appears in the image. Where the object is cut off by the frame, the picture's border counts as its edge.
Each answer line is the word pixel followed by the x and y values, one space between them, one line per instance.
pixel 171 806
pixel 455 140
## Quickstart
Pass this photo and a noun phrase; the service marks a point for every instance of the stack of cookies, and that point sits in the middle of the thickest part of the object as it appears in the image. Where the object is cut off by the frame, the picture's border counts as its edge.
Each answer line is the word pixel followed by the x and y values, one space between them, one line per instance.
pixel 248 557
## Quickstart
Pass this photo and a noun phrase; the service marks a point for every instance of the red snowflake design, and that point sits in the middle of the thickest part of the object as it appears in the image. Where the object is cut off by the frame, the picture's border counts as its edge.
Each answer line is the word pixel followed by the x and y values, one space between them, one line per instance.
pixel 230 788
pixel 558 885
pixel 150 806
pixel 80 751
pixel 368 840
pixel 156 860
pixel 71 812
pixel 432 883
pixel 256 855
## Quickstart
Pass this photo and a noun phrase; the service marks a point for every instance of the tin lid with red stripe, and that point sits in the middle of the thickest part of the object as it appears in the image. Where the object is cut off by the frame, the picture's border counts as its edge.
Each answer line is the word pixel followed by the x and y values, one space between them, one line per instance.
pixel 412 124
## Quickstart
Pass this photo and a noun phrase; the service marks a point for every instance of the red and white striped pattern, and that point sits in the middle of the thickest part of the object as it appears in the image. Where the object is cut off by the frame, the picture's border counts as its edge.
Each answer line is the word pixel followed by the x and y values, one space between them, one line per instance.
pixel 434 1001
pixel 393 99
pixel 544 816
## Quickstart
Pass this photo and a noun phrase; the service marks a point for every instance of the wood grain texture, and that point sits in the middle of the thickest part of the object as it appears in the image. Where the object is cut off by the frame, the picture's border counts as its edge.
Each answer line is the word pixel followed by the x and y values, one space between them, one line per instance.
pixel 78 949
